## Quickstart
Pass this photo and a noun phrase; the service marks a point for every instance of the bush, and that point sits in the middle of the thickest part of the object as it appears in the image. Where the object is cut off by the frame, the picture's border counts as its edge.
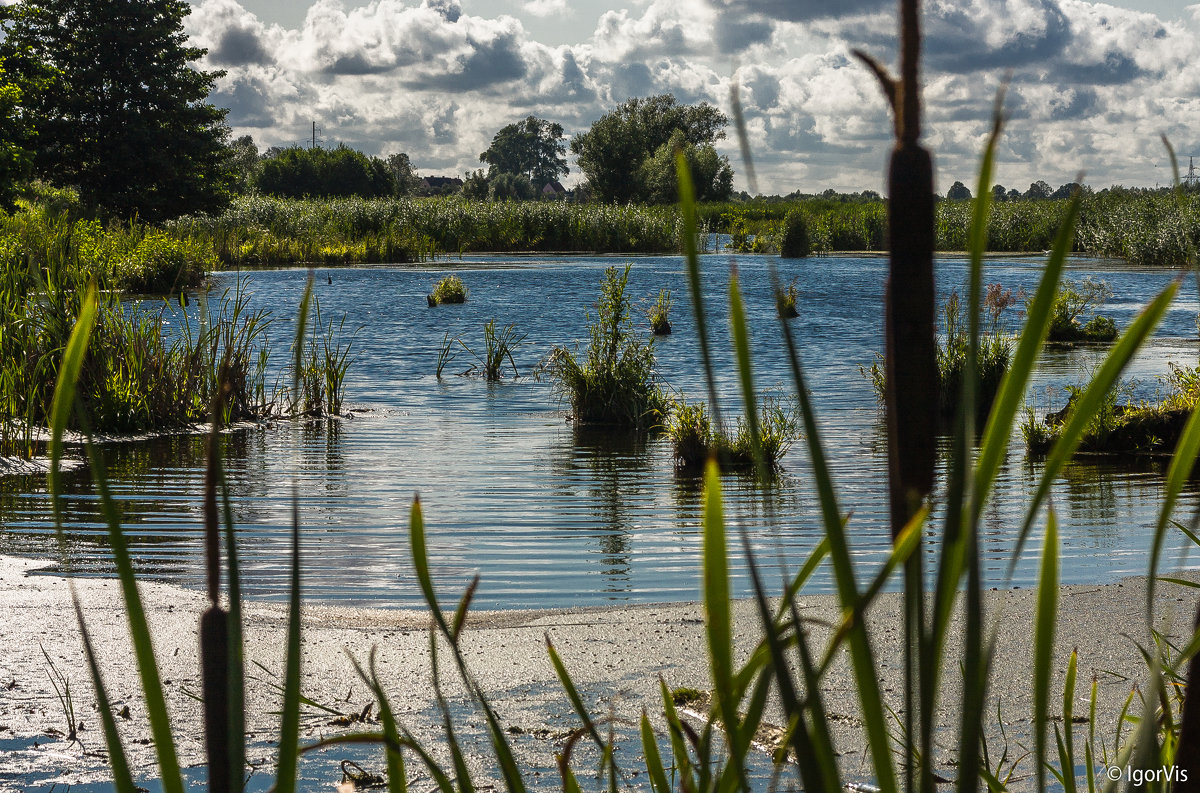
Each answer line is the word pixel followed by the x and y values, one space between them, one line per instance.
pixel 615 383
pixel 795 243
pixel 161 264
pixel 448 290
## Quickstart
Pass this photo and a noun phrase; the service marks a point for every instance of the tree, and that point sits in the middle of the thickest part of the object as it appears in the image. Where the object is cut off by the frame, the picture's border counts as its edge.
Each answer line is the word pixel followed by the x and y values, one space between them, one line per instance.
pixel 712 178
pixel 297 172
pixel 1068 190
pixel 475 186
pixel 15 156
pixel 511 187
pixel 612 152
pixel 244 163
pixel 999 194
pixel 403 174
pixel 1038 190
pixel 123 117
pixel 958 192
pixel 532 148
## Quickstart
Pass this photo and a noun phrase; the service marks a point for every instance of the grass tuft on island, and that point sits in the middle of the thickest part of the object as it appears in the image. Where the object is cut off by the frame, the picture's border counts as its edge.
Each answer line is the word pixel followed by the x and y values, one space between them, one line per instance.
pixel 1129 428
pixel 695 439
pixel 450 289
pixel 614 382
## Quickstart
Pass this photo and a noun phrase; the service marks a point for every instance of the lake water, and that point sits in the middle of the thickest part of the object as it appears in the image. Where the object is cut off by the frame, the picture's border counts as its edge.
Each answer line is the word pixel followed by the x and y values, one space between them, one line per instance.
pixel 550 514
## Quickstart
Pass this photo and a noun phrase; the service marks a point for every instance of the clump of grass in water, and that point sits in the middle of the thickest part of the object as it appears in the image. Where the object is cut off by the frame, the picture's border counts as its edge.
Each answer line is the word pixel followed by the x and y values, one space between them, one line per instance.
pixel 324 358
pixel 615 382
pixel 1073 300
pixel 993 353
pixel 659 314
pixel 695 440
pixel 449 290
pixel 785 300
pixel 498 346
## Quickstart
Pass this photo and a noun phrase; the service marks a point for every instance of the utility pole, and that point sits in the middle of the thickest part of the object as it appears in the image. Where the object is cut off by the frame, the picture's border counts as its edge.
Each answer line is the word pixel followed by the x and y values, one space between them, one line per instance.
pixel 315 130
pixel 1192 179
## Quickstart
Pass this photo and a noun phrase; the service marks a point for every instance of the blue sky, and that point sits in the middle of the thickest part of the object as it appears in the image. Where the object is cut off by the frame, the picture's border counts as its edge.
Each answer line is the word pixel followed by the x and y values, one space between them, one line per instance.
pixel 1093 85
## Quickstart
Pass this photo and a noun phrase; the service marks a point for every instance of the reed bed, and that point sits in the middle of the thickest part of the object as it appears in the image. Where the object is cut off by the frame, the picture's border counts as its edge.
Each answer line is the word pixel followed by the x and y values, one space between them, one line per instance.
pixel 131 257
pixel 262 230
pixel 151 365
pixel 1142 228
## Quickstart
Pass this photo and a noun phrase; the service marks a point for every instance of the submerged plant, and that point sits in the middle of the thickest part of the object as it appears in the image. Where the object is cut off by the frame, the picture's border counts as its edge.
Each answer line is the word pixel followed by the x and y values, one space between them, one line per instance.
pixel 615 381
pixel 448 290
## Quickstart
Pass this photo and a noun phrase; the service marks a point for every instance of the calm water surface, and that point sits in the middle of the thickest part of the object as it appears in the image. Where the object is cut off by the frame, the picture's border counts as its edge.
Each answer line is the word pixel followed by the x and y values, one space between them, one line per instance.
pixel 550 514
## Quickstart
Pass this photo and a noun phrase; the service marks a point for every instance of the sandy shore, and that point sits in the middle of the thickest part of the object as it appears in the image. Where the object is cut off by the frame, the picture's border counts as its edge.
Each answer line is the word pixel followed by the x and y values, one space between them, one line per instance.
pixel 616 656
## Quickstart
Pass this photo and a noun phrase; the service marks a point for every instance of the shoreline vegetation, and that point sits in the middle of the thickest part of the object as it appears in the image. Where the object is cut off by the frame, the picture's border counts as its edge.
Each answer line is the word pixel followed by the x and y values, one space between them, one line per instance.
pixel 1143 229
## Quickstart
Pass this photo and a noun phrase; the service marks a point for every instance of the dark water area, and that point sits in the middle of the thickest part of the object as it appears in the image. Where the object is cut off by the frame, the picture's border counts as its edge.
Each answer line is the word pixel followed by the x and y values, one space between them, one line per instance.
pixel 551 514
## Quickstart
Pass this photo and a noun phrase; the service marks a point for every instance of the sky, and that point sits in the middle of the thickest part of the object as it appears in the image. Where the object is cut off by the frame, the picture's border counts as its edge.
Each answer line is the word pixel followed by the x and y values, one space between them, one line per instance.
pixel 1092 87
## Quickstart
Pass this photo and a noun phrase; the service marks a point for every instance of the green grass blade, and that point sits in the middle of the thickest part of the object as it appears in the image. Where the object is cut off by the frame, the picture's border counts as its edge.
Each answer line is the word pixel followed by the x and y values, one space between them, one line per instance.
pixel 861 654
pixel 683 763
pixel 117 760
pixel 420 556
pixel 564 677
pixel 1068 714
pixel 1011 394
pixel 687 207
pixel 741 348
pixel 397 778
pixel 139 631
pixel 289 728
pixel 654 764
pixel 715 584
pixel 64 394
pixel 1045 615
pixel 1090 402
pixel 807 759
pixel 1178 474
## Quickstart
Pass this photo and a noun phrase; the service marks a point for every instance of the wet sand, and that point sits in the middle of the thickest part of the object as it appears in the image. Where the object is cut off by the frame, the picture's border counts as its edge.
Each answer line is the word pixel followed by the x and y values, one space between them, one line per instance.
pixel 616 656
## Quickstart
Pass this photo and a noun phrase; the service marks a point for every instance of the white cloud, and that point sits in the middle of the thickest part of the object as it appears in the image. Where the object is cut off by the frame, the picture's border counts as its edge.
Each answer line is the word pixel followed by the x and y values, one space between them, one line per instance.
pixel 1092 85
pixel 545 8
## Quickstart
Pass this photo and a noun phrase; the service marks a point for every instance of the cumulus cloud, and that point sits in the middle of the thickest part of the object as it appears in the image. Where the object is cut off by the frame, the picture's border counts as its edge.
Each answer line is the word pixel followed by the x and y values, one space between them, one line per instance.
pixel 545 8
pixel 1092 85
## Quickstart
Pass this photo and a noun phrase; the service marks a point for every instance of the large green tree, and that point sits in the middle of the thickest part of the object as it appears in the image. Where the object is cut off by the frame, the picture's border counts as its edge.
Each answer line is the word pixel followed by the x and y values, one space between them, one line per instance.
pixel 15 156
pixel 532 148
pixel 122 115
pixel 612 153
